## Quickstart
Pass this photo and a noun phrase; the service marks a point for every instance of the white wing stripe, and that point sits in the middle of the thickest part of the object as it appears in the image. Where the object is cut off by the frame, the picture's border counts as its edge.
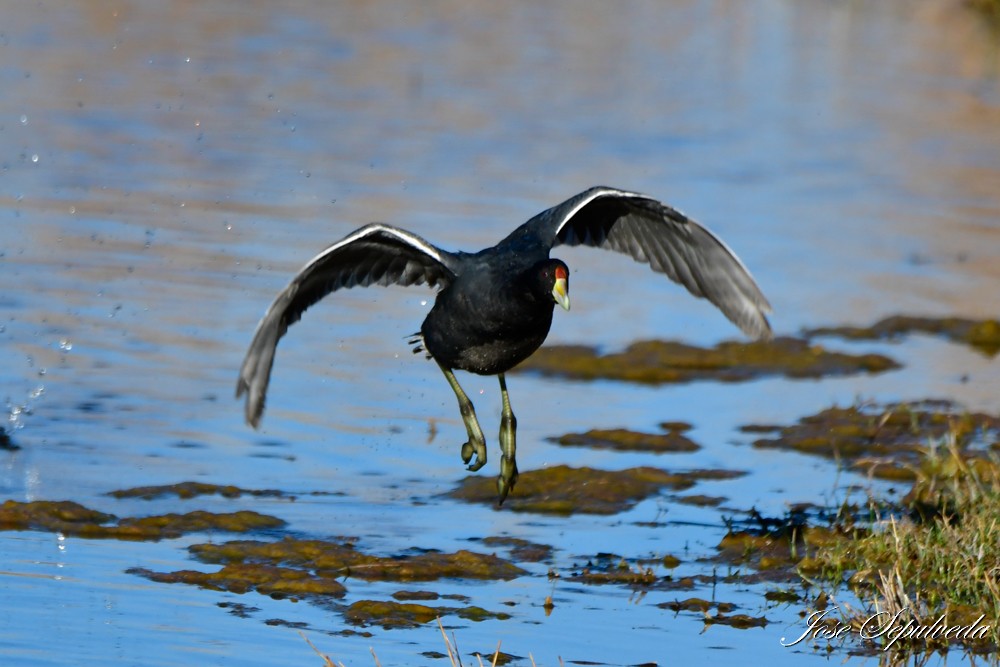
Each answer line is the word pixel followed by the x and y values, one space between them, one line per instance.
pixel 404 236
pixel 602 192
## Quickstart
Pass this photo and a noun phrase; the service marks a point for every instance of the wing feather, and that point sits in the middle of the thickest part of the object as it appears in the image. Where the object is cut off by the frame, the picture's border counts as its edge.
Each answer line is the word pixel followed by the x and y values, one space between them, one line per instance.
pixel 376 254
pixel 653 233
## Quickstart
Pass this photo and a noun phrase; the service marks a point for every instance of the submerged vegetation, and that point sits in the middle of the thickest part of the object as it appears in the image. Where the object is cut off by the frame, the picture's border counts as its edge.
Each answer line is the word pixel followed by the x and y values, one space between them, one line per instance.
pixel 887 441
pixel 566 490
pixel 70 518
pixel 621 439
pixel 981 335
pixel 658 362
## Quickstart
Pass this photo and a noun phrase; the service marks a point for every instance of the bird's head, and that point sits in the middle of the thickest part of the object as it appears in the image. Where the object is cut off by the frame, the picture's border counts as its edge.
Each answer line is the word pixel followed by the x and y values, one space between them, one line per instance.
pixel 553 279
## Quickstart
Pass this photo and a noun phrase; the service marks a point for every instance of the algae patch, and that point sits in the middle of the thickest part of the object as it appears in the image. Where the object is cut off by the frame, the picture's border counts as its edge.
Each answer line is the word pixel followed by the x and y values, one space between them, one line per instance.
pixel 981 335
pixel 887 440
pixel 613 569
pixel 188 490
pixel 657 362
pixel 241 578
pixel 70 518
pixel 344 560
pixel 319 571
pixel 520 549
pixel 391 614
pixel 620 439
pixel 723 613
pixel 566 490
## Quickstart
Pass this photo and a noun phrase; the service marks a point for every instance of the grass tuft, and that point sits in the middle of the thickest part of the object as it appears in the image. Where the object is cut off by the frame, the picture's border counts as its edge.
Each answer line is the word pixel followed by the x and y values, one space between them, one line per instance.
pixel 940 560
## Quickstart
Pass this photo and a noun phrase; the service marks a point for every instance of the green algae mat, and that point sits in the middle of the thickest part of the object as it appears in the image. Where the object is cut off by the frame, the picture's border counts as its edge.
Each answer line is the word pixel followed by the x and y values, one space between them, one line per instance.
pixel 658 362
pixel 981 335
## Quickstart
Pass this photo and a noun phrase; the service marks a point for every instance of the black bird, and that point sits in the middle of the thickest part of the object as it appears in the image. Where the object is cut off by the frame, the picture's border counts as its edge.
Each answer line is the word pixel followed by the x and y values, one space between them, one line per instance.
pixel 494 307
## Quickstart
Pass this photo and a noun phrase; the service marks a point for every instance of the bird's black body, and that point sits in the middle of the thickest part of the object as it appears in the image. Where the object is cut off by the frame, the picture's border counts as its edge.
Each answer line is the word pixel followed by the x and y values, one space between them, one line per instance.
pixel 485 323
pixel 495 307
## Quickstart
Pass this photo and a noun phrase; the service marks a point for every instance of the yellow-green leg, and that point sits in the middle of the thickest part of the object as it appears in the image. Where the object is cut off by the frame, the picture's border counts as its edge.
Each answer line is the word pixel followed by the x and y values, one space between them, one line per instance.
pixel 508 445
pixel 476 443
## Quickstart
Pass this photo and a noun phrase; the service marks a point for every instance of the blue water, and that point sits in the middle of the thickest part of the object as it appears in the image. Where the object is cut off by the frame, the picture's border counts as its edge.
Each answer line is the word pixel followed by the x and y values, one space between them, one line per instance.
pixel 167 166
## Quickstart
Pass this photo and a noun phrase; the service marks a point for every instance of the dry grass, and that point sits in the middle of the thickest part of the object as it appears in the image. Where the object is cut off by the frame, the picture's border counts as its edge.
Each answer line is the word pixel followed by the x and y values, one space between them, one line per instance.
pixel 451 645
pixel 942 559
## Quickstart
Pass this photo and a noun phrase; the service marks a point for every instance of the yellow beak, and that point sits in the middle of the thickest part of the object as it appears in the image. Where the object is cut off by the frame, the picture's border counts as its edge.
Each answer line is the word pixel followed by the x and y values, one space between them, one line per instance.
pixel 560 292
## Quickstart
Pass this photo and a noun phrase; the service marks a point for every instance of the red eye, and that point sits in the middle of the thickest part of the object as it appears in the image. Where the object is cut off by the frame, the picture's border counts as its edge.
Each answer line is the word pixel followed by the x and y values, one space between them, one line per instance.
pixel 561 273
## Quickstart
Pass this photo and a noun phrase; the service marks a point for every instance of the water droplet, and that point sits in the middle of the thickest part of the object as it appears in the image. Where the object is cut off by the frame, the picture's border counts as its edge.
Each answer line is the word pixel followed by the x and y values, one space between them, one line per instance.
pixel 24 119
pixel 34 158
pixel 65 345
pixel 423 302
pixel 14 413
pixel 72 210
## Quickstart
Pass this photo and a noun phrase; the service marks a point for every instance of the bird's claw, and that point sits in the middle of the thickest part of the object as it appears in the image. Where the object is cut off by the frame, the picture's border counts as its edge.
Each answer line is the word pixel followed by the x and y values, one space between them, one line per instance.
pixel 507 477
pixel 476 448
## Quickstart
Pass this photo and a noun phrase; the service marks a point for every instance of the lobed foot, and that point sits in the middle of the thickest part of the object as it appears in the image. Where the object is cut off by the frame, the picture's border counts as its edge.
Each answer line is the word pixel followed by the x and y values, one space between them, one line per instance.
pixel 508 448
pixel 507 477
pixel 475 448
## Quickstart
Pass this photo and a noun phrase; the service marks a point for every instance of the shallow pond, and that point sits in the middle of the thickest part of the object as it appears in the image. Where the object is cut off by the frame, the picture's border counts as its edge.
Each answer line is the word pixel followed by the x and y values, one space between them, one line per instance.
pixel 166 167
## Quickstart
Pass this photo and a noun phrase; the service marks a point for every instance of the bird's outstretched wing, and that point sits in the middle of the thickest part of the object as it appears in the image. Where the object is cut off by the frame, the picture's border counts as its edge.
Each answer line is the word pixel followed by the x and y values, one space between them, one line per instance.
pixel 375 254
pixel 666 239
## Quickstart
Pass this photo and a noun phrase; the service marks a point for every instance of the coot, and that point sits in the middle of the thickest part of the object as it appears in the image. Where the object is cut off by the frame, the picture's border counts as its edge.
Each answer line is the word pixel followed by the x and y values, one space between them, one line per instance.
pixel 494 307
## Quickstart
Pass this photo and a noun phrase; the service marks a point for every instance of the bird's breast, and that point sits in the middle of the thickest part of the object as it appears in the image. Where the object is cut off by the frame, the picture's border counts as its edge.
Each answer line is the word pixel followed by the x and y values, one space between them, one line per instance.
pixel 484 333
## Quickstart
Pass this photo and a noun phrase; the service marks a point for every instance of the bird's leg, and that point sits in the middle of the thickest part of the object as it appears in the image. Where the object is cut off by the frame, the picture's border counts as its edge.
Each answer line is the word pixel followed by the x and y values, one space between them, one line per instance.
pixel 477 443
pixel 508 445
